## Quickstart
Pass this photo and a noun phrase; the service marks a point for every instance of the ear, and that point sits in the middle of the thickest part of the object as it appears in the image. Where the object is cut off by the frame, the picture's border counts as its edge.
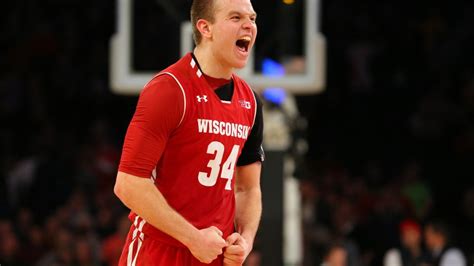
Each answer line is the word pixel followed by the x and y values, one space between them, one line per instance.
pixel 204 27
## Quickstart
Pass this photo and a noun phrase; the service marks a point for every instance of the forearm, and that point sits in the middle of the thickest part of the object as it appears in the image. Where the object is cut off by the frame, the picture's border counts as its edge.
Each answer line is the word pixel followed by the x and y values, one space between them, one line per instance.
pixel 248 213
pixel 143 198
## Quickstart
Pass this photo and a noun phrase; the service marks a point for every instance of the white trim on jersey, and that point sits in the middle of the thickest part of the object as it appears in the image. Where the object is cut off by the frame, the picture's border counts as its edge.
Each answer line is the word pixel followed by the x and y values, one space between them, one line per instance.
pixel 255 106
pixel 227 102
pixel 159 74
pixel 131 259
pixel 184 94
pixel 193 64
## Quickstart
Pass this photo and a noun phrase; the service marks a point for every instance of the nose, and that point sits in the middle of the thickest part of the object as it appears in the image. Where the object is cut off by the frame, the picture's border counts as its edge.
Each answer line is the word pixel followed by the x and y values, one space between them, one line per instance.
pixel 248 24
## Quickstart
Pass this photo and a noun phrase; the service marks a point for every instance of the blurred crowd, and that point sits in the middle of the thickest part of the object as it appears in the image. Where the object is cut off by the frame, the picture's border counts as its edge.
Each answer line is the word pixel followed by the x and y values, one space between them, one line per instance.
pixel 369 214
pixel 60 135
pixel 391 138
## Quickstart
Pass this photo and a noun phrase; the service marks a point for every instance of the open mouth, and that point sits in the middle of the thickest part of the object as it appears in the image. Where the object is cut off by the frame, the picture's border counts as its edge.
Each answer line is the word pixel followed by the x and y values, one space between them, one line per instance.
pixel 243 44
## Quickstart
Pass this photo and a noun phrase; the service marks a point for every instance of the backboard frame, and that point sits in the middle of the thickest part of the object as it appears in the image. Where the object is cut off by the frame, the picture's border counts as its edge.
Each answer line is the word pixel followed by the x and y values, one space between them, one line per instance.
pixel 127 81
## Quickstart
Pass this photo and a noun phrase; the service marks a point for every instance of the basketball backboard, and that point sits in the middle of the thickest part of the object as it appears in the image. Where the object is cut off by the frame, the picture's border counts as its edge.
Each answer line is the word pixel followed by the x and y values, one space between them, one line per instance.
pixel 288 35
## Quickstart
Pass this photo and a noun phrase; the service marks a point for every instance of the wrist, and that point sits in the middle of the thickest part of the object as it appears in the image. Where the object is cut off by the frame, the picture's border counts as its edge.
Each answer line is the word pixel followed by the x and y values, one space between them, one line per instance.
pixel 192 238
pixel 249 240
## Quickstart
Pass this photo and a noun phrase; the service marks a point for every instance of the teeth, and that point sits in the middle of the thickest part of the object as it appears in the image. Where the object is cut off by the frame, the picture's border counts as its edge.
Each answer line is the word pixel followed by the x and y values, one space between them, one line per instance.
pixel 246 38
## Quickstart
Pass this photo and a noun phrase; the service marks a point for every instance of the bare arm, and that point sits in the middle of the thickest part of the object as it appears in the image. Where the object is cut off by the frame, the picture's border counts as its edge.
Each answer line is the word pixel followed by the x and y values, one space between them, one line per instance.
pixel 142 197
pixel 248 198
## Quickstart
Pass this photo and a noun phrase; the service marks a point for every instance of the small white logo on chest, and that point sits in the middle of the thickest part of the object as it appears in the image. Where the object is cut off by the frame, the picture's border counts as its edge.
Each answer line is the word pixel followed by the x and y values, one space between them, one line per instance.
pixel 245 104
pixel 201 98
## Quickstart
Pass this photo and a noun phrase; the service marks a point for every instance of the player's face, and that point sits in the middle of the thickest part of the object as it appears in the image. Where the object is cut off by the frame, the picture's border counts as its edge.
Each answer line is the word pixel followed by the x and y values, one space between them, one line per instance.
pixel 233 32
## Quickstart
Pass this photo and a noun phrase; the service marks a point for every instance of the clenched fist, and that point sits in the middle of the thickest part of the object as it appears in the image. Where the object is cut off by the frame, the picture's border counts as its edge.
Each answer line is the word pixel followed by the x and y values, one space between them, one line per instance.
pixel 237 250
pixel 209 246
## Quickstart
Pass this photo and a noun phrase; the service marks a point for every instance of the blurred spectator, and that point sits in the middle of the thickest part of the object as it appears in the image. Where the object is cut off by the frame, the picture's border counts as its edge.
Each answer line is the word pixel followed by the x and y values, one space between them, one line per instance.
pixel 89 248
pixel 416 191
pixel 112 246
pixel 344 223
pixel 19 180
pixel 24 222
pixel 335 255
pixel 442 253
pixel 83 253
pixel 410 252
pixel 34 246
pixel 62 250
pixel 9 244
pixel 105 157
pixel 315 215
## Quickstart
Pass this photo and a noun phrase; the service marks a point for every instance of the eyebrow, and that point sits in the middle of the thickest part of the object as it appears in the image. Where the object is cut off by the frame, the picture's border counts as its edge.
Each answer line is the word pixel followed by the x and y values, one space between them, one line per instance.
pixel 235 12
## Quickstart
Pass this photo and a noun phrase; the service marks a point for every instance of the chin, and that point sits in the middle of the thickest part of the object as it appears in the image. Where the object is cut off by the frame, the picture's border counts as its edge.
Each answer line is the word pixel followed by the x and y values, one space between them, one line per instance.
pixel 240 64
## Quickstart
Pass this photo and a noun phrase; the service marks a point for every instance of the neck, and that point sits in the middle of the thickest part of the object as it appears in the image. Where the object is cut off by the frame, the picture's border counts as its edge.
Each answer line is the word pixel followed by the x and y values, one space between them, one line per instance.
pixel 210 64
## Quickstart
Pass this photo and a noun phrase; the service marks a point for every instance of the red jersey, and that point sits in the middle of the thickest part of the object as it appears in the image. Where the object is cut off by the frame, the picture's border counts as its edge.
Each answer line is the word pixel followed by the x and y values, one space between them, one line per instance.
pixel 197 156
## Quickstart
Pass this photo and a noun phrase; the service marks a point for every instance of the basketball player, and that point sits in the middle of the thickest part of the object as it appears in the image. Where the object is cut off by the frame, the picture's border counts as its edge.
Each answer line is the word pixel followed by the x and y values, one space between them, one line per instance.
pixel 191 159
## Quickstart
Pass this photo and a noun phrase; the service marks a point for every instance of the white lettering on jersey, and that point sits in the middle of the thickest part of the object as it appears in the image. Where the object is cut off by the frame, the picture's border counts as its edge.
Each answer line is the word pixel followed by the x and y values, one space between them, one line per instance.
pixel 223 128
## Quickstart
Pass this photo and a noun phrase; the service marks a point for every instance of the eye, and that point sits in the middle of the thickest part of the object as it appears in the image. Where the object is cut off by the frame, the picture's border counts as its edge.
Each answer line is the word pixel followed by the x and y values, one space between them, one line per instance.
pixel 235 18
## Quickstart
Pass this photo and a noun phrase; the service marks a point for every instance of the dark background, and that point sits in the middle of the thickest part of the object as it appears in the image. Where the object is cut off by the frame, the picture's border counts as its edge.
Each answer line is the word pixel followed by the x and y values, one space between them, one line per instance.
pixel 391 137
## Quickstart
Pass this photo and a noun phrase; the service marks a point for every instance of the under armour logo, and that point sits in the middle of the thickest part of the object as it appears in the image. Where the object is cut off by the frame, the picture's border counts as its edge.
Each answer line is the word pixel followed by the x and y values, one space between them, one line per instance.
pixel 202 98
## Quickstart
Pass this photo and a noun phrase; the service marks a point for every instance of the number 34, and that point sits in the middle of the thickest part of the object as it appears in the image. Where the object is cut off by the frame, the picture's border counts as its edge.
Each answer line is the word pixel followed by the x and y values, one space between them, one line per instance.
pixel 210 179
